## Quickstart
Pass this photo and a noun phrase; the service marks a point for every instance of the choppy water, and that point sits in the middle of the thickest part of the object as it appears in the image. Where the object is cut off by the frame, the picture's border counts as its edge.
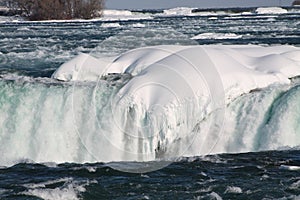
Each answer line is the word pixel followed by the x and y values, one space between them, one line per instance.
pixel 239 176
pixel 31 51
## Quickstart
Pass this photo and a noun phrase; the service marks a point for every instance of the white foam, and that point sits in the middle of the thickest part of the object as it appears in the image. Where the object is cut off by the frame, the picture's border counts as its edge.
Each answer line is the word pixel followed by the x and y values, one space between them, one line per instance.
pixel 233 190
pixel 91 169
pixel 23 29
pixel 111 25
pixel 295 185
pixel 3 191
pixel 289 167
pixel 216 36
pixel 214 195
pixel 44 184
pixel 138 25
pixel 70 189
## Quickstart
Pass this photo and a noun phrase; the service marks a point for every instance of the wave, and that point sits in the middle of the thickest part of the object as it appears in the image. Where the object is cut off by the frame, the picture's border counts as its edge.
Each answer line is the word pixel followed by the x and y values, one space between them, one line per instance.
pixel 65 188
pixel 154 103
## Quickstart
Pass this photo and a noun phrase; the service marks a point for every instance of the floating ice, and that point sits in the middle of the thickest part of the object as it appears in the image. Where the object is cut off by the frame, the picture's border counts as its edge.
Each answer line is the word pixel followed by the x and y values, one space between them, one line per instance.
pixel 271 10
pixel 123 15
pixel 216 36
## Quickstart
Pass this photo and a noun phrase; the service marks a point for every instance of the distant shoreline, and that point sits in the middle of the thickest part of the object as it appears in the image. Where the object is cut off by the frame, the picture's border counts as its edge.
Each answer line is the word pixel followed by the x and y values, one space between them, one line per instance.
pixel 6 12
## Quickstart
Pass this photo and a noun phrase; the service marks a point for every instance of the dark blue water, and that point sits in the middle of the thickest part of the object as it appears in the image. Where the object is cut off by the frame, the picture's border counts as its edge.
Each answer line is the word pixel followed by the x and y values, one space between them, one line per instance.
pixel 31 51
pixel 232 176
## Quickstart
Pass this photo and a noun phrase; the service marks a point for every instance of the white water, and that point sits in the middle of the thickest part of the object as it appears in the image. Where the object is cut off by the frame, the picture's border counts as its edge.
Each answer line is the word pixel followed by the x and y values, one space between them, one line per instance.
pixel 70 189
pixel 181 100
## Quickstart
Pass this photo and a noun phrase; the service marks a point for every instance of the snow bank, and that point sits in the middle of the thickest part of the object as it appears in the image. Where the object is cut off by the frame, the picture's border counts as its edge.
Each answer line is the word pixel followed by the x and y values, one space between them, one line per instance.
pixel 240 68
pixel 82 67
pixel 175 91
pixel 123 15
pixel 180 11
pixel 271 10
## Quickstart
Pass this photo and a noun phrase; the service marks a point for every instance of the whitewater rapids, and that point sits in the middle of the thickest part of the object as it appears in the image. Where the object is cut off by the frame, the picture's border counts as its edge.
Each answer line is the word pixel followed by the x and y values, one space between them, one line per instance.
pixel 152 103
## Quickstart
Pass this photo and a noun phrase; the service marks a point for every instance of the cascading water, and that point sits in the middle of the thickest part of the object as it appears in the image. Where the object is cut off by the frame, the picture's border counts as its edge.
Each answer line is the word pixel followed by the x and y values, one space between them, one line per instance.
pixel 149 115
